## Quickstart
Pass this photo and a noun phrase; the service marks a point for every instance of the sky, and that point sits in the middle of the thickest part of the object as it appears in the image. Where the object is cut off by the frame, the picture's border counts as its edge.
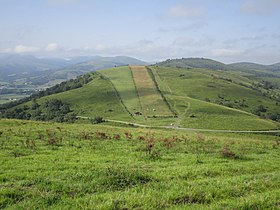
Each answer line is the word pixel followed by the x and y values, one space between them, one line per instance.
pixel 151 30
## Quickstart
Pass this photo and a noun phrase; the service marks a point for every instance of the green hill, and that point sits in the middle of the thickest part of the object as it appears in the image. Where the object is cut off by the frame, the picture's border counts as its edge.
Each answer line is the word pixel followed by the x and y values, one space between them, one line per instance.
pixel 246 66
pixel 160 96
pixel 193 63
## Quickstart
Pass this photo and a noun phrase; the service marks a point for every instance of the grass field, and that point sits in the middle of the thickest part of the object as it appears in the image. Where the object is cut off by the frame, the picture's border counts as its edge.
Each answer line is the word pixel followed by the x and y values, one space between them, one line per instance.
pixel 5 98
pixel 122 79
pixel 186 94
pixel 214 85
pixel 150 99
pixel 97 98
pixel 82 166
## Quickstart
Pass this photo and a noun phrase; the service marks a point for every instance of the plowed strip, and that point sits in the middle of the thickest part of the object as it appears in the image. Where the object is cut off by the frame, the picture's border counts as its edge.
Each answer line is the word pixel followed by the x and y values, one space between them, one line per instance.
pixel 150 99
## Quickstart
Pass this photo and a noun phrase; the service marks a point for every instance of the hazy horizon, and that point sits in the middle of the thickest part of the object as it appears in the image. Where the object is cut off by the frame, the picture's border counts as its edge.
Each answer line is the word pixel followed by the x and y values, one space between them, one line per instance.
pixel 155 30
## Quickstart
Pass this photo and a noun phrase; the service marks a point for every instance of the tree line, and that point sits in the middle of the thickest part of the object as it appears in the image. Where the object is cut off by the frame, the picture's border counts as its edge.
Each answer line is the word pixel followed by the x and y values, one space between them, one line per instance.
pixel 51 110
pixel 62 87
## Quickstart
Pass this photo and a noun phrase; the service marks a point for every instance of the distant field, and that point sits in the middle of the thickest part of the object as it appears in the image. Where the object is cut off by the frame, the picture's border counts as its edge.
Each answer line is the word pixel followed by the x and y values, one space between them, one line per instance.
pixel 150 99
pixel 83 166
pixel 5 98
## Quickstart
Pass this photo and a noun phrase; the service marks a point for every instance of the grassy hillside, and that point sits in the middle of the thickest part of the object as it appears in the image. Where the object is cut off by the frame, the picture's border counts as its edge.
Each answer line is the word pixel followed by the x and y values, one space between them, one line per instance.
pixel 151 101
pixel 193 63
pixel 191 92
pixel 200 98
pixel 121 78
pixel 215 87
pixel 82 166
pixel 245 66
pixel 97 98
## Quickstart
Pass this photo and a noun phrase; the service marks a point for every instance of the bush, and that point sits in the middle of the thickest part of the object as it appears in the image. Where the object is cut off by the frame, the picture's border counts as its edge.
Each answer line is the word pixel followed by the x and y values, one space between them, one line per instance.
pixel 97 120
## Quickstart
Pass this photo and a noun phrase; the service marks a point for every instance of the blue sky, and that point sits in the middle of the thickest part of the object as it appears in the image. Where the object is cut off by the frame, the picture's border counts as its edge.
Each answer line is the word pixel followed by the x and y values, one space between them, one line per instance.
pixel 152 30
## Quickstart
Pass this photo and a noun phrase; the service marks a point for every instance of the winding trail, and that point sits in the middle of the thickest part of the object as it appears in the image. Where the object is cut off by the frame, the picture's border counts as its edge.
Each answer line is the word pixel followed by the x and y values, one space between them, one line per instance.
pixel 186 129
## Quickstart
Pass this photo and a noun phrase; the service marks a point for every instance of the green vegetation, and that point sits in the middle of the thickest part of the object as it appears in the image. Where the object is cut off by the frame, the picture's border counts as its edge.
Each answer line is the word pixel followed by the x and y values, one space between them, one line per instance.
pixel 121 77
pixel 62 87
pixel 215 87
pixel 50 110
pixel 96 98
pixel 84 166
pixel 97 164
pixel 151 100
pixel 169 96
pixel 193 63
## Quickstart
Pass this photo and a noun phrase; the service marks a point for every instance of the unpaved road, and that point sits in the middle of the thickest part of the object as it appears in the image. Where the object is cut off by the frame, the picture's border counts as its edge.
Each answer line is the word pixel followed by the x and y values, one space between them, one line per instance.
pixel 188 129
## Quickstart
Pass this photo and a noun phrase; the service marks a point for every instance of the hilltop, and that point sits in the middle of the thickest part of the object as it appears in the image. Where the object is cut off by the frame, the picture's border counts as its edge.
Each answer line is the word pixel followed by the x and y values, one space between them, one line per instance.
pixel 193 63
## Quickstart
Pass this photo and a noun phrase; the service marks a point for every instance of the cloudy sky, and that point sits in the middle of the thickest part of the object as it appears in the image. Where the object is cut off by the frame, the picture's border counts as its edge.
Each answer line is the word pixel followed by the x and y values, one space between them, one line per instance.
pixel 152 30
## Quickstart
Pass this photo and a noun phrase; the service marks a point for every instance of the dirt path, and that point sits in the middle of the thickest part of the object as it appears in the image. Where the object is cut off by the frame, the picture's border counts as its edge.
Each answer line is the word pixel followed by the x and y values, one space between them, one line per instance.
pixel 186 129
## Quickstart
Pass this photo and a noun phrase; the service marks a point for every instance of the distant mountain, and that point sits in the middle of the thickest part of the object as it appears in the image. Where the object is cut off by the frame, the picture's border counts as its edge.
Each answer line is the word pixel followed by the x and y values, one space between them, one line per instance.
pixel 107 62
pixel 194 63
pixel 253 66
pixel 13 67
pixel 14 64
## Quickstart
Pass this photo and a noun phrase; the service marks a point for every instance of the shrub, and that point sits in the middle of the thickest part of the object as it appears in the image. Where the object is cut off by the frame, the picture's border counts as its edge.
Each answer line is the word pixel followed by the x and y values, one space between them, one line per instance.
pixel 97 120
pixel 227 152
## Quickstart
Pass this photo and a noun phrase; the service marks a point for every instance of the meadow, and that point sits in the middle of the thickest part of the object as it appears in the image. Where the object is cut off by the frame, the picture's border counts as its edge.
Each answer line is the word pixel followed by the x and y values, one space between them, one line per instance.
pixel 186 91
pixel 83 166
pixel 96 98
pixel 121 78
pixel 150 99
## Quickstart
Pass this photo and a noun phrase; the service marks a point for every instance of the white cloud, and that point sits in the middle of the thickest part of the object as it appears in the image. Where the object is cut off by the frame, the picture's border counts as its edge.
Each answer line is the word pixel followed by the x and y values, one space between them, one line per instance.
pixel 25 49
pixel 200 41
pixel 99 47
pixel 260 7
pixel 52 47
pixel 224 52
pixel 182 11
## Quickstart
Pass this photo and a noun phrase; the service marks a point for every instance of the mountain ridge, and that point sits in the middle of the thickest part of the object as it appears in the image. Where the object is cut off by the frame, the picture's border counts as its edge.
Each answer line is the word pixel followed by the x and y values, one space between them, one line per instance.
pixel 217 65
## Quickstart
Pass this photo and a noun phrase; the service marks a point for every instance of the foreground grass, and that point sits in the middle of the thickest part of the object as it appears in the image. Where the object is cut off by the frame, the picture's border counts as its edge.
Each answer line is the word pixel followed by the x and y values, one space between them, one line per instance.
pixel 60 166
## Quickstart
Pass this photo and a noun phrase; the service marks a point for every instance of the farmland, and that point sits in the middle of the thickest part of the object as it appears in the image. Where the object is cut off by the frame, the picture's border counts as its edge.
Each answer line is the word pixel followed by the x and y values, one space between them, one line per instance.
pixel 150 99
pixel 121 78
pixel 62 166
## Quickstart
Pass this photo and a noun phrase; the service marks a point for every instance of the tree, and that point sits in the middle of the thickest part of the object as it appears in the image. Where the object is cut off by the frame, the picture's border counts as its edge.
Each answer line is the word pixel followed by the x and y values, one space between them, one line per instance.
pixel 97 120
